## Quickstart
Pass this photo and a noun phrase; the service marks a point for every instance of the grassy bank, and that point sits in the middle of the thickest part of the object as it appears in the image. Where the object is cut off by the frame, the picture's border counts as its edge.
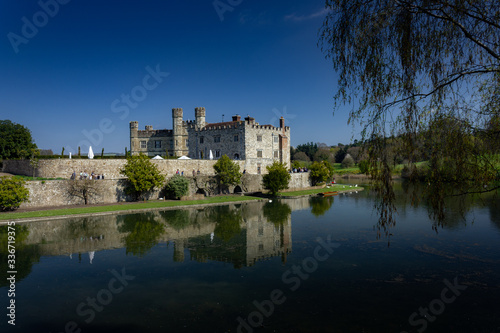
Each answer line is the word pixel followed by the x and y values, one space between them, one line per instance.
pixel 153 204
pixel 122 207
pixel 336 187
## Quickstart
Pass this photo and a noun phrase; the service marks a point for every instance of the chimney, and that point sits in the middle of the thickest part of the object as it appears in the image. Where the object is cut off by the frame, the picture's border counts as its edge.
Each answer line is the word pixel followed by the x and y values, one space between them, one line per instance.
pixel 236 118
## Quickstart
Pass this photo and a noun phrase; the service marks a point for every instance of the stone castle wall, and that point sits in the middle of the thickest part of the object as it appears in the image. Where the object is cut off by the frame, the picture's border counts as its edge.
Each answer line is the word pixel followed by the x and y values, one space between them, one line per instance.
pixel 55 192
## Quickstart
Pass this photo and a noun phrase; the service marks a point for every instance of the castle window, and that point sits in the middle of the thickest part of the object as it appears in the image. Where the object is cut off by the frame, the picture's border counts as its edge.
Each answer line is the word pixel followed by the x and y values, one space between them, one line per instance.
pixel 217 153
pixel 171 145
pixel 276 139
pixel 259 138
pixel 276 154
pixel 259 153
pixel 186 142
pixel 157 144
pixel 201 139
pixel 217 139
pixel 235 138
pixel 258 168
pixel 143 145
pixel 236 156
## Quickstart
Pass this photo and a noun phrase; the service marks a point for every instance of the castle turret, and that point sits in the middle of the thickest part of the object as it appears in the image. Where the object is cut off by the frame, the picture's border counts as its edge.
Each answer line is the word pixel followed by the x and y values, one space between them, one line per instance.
pixel 179 133
pixel 134 127
pixel 199 114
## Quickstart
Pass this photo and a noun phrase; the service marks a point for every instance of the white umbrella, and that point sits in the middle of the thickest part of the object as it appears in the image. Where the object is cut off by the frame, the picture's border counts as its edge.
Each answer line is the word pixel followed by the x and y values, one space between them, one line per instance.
pixel 91 153
pixel 211 156
pixel 183 158
pixel 69 155
pixel 157 157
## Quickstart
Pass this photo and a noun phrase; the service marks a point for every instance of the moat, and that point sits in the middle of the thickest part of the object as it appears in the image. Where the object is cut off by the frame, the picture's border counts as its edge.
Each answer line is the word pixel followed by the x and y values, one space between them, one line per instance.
pixel 292 265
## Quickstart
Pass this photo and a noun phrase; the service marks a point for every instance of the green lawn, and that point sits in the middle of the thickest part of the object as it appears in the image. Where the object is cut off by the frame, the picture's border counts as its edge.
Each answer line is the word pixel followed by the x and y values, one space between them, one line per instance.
pixel 152 205
pixel 122 207
pixel 336 187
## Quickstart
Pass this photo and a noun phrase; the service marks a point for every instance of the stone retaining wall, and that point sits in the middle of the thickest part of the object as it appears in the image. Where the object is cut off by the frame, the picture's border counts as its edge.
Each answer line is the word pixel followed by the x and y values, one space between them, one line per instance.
pixel 55 192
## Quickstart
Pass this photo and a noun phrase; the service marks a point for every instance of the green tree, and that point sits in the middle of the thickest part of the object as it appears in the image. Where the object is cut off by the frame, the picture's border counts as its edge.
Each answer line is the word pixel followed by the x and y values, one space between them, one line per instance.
pixel 277 178
pixel 301 156
pixel 340 154
pixel 85 189
pixel 408 62
pixel 143 176
pixel 364 166
pixel 308 148
pixel 348 161
pixel 227 171
pixel 320 172
pixel 177 187
pixel 12 193
pixel 34 161
pixel 15 141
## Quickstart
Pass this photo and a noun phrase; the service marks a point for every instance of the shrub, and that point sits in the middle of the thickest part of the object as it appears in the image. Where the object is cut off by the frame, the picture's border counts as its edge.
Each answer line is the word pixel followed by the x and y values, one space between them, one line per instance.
pixel 12 193
pixel 177 187
pixel 348 162
pixel 277 178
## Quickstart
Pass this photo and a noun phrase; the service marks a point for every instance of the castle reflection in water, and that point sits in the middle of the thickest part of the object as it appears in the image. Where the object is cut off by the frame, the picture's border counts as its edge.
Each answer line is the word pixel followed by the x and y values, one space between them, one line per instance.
pixel 241 234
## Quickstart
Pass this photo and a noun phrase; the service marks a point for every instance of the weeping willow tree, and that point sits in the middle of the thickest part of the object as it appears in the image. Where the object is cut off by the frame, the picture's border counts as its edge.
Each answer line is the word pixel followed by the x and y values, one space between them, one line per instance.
pixel 428 73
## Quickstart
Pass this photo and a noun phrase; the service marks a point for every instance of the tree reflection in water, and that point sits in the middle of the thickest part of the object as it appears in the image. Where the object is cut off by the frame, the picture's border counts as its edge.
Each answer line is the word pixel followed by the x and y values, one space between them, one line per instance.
pixel 320 205
pixel 177 219
pixel 26 255
pixel 446 205
pixel 143 231
pixel 228 222
pixel 277 212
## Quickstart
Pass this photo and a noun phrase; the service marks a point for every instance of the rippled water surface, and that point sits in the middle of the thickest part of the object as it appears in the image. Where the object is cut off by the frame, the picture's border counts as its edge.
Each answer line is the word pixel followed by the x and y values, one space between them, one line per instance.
pixel 291 265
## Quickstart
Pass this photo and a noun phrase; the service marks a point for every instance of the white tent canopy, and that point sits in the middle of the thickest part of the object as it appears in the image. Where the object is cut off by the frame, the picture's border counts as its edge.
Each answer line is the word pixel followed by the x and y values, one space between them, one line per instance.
pixel 157 157
pixel 183 158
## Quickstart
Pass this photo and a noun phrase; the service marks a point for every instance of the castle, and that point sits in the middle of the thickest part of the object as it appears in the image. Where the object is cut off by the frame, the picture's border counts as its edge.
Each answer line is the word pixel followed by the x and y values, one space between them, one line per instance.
pixel 258 145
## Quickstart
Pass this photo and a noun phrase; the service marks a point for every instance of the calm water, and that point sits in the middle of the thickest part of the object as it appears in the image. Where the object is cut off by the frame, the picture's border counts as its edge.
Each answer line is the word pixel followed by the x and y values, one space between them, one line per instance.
pixel 295 265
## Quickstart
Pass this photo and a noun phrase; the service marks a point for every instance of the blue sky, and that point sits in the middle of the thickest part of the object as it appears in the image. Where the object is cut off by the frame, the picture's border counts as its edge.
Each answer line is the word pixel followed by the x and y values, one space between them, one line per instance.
pixel 79 71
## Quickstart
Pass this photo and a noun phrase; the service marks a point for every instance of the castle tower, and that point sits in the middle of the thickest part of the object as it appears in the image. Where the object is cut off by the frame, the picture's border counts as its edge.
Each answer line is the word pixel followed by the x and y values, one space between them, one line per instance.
pixel 134 127
pixel 199 114
pixel 179 133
